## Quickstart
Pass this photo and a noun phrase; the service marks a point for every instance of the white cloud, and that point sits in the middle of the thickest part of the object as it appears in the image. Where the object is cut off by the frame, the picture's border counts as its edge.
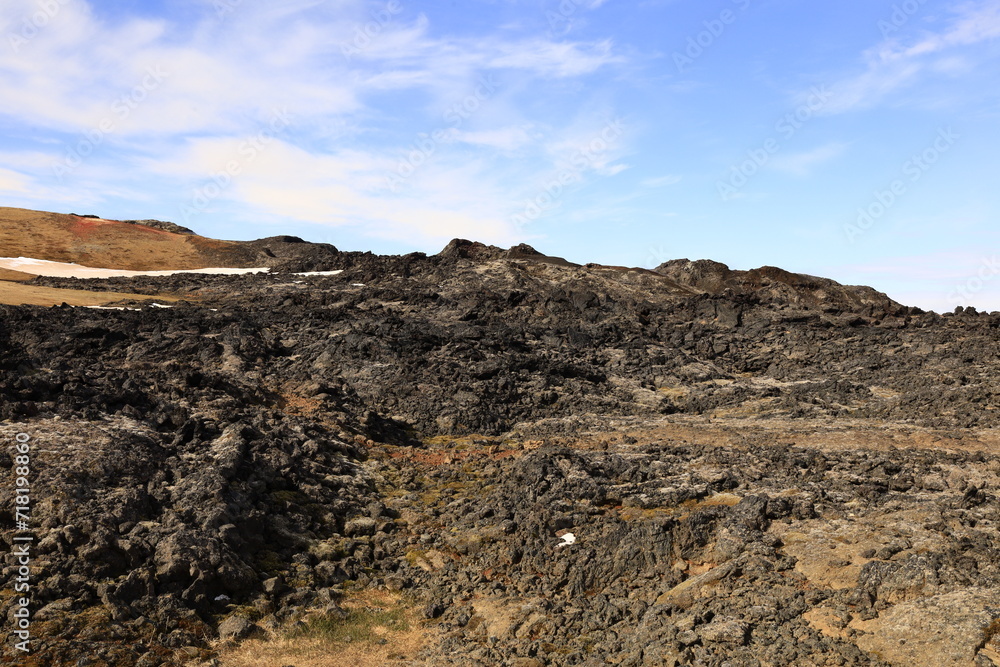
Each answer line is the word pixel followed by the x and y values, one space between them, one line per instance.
pixel 894 64
pixel 802 164
pixel 70 75
pixel 612 169
pixel 554 59
pixel 661 181
pixel 505 138
pixel 85 80
pixel 348 188
pixel 11 181
pixel 78 72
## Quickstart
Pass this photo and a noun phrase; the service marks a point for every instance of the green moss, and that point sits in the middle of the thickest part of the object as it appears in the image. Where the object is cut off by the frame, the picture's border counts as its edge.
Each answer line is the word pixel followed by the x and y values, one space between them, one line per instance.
pixel 271 562
pixel 332 550
pixel 415 556
pixel 358 626
pixel 293 497
pixel 317 511
pixel 247 611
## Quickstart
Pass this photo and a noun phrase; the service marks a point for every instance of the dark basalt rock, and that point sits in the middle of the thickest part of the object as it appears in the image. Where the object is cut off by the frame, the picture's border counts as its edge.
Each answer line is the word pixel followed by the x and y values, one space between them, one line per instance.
pixel 158 224
pixel 260 443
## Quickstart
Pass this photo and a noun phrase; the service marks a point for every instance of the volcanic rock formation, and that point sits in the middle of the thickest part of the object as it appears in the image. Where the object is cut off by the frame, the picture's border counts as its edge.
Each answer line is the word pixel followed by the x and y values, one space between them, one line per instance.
pixel 758 468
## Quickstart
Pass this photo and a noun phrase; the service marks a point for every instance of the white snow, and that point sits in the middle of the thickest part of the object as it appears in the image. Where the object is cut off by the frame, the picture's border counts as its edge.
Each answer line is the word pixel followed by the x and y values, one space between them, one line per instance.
pixel 152 305
pixel 43 267
pixel 321 273
pixel 567 539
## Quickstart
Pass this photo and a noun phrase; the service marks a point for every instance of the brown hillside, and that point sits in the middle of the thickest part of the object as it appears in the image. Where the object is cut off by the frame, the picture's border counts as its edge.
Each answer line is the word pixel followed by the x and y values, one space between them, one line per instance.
pixel 15 276
pixel 112 244
pixel 17 294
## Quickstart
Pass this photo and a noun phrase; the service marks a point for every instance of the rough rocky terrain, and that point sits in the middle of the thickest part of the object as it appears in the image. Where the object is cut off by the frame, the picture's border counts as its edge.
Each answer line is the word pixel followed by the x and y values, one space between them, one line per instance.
pixel 755 468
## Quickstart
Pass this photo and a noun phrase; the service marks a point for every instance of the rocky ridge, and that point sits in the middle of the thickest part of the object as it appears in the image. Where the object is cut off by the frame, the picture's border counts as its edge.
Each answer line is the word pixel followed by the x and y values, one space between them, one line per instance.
pixel 435 424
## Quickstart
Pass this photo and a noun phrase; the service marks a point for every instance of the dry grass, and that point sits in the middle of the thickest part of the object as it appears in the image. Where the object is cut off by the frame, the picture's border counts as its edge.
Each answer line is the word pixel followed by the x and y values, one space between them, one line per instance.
pixel 108 244
pixel 15 276
pixel 823 434
pixel 675 392
pixel 381 630
pixel 17 294
pixel 681 510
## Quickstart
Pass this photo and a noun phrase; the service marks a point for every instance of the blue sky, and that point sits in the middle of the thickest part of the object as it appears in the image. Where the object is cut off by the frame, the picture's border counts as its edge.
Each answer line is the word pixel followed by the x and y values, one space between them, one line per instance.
pixel 856 140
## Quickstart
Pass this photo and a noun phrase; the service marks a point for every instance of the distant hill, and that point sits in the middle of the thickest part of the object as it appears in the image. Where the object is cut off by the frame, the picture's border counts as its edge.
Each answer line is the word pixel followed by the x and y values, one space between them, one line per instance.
pixel 143 245
pixel 149 245
pixel 774 285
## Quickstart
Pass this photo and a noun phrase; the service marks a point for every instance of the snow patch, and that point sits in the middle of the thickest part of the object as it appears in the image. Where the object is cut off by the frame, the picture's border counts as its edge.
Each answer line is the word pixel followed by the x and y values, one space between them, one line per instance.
pixel 152 305
pixel 43 267
pixel 321 273
pixel 567 539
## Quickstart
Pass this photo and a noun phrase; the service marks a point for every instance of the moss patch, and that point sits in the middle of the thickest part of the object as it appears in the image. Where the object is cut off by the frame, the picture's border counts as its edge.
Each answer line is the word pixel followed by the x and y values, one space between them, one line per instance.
pixel 360 625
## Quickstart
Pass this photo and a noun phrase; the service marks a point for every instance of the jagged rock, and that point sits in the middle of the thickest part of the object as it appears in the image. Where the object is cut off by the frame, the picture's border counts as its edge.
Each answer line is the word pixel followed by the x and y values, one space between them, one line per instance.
pixel 947 630
pixel 360 527
pixel 747 460
pixel 727 632
pixel 236 627
pixel 161 225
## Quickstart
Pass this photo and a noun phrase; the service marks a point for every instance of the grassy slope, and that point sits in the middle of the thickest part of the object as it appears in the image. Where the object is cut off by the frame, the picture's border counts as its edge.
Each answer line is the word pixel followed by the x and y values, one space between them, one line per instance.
pixel 14 276
pixel 110 244
pixel 17 294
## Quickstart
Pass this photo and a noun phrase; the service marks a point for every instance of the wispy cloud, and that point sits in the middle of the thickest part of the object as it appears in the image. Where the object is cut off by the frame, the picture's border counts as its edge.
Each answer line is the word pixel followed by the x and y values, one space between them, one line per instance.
pixel 896 63
pixel 85 80
pixel 661 181
pixel 802 164
pixel 938 280
pixel 12 181
pixel 504 138
pixel 554 59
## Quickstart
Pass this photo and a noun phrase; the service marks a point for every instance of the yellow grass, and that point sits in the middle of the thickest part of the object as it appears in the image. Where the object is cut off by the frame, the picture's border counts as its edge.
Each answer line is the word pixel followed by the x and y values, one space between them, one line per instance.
pixel 373 617
pixel 15 276
pixel 17 294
